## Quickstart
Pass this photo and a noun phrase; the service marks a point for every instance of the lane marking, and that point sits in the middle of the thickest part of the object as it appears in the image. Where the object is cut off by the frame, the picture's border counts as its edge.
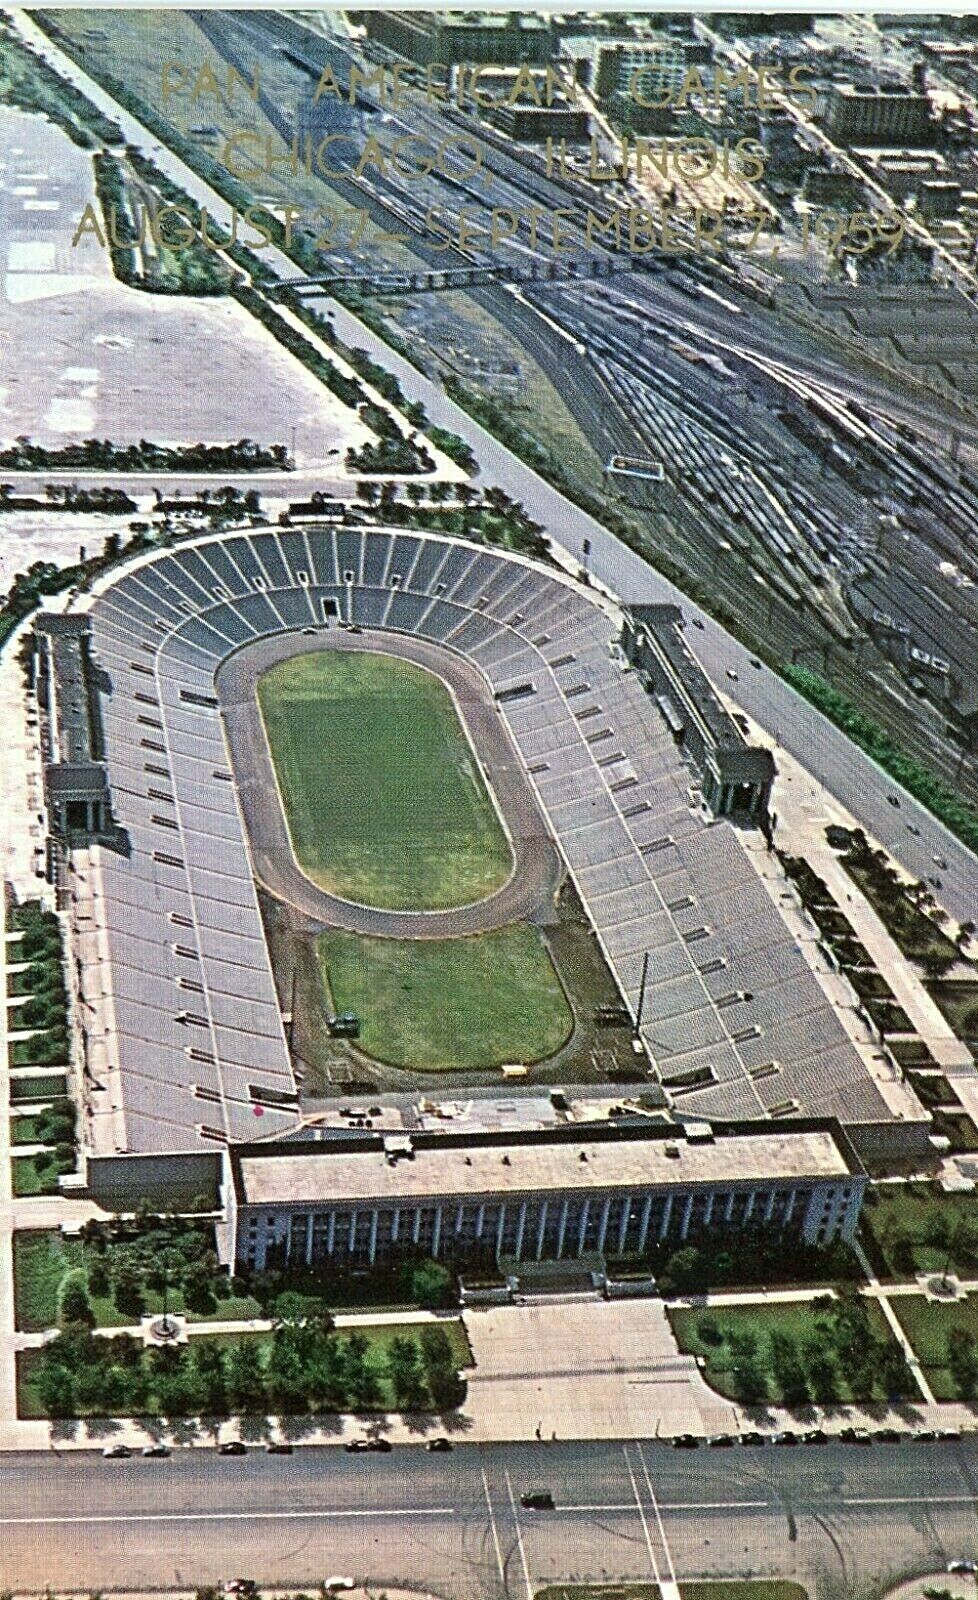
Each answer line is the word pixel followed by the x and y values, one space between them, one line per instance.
pixel 658 1514
pixel 223 1516
pixel 495 1531
pixel 519 1537
pixel 641 1511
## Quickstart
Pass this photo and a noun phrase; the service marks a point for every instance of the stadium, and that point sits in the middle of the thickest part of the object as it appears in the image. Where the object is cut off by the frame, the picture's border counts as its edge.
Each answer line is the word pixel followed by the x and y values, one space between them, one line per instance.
pixel 331 768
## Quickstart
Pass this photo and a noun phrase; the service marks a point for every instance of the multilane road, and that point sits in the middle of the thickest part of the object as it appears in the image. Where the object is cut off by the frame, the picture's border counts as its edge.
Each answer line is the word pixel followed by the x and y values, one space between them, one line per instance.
pixel 848 1515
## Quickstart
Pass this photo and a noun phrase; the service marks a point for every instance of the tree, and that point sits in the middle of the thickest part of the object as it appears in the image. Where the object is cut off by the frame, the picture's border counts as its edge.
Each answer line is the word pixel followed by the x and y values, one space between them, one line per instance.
pixel 75 1310
pixel 748 1379
pixel 127 1289
pixel 431 1285
pixel 685 1270
pixel 209 1370
pixel 407 1378
pixel 56 1389
pixel 245 1378
pixel 820 1370
pixel 787 1369
pixel 446 1386
pixel 962 1360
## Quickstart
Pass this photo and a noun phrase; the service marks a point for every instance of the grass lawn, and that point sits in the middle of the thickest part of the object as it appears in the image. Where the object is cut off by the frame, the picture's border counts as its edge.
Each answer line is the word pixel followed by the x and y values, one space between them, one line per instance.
pixel 927 1326
pixel 444 1003
pixel 28 1181
pixel 38 1088
pixel 42 1258
pixel 796 1319
pixel 936 1224
pixel 25 1130
pixel 383 796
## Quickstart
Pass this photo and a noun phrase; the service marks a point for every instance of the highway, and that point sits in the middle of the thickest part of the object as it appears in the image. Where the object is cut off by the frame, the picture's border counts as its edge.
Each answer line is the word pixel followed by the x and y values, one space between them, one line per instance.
pixel 844 770
pixel 846 1515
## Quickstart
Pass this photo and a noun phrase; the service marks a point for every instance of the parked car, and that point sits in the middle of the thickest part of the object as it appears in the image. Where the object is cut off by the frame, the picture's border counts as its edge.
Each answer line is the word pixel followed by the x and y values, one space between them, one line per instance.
pixel 232 1447
pixel 538 1500
pixel 753 1438
pixel 964 1568
pixel 685 1441
pixel 441 1443
pixel 888 1435
pixel 116 1452
pixel 720 1440
pixel 814 1436
pixel 156 1451
pixel 338 1585
pixel 785 1437
pixel 278 1447
pixel 360 1445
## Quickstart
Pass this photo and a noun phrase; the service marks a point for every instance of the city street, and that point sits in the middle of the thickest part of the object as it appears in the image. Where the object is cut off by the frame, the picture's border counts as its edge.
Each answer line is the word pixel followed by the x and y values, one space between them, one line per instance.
pixel 638 1509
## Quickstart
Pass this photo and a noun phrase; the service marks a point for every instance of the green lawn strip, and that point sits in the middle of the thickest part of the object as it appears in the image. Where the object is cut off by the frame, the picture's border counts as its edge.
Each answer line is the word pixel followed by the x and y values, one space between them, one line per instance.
pixel 384 798
pixel 54 1087
pixel 30 1179
pixel 439 1004
pixel 26 1130
pixel 917 1227
pixel 40 1051
pixel 42 1259
pixel 173 1392
pixel 927 1324
pixel 795 1319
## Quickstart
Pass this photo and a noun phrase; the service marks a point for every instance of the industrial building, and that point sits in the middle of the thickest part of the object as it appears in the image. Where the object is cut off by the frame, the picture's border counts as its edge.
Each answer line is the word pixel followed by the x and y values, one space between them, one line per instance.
pixel 605 1189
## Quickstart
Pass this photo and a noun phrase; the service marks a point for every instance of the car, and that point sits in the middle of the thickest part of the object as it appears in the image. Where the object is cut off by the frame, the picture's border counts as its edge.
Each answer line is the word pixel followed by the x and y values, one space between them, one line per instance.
pixel 786 1437
pixel 232 1447
pixel 733 674
pixel 814 1436
pixel 855 1436
pixel 278 1447
pixel 697 623
pixel 888 1436
pixel 755 663
pixel 948 1434
pixel 441 1443
pixel 685 1441
pixel 375 1111
pixel 935 883
pixel 963 1567
pixel 537 1500
pixel 116 1452
pixel 720 1441
pixel 892 800
pixel 308 630
pixel 156 1451
pixel 924 1436
pixel 338 1585
pixel 359 1445
pixel 753 1438
pixel 940 861
pixel 913 828
pixel 238 1586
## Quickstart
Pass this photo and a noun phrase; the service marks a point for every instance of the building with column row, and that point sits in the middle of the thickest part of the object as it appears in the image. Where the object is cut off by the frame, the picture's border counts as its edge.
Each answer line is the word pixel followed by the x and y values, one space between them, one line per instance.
pixel 536 1195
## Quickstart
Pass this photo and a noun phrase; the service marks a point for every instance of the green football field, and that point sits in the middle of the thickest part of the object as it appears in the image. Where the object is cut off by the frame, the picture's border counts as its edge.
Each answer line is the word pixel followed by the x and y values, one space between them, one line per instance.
pixel 383 796
pixel 439 1004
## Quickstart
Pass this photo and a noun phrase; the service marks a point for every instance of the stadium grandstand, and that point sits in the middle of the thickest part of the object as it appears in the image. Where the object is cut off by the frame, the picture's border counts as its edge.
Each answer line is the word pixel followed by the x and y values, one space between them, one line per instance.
pixel 185 1043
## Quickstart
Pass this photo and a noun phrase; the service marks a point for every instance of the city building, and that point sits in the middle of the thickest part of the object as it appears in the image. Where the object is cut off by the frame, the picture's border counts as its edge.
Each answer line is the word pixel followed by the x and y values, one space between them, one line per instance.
pixel 609 1189
pixel 736 776
pixel 456 38
pixel 896 118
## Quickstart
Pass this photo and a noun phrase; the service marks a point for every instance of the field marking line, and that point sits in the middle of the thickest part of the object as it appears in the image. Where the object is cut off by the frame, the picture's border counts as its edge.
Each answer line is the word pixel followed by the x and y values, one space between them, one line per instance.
pixel 519 1537
pixel 495 1531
